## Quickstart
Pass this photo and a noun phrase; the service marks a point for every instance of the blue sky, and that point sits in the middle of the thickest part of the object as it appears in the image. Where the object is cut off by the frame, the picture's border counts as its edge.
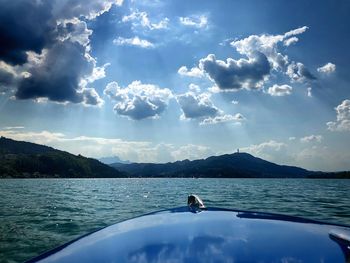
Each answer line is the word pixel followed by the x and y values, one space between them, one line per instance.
pixel 159 81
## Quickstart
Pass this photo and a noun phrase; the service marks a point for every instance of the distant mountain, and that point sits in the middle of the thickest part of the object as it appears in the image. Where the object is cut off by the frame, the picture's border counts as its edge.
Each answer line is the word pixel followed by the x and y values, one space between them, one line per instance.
pixel 236 165
pixel 114 159
pixel 29 160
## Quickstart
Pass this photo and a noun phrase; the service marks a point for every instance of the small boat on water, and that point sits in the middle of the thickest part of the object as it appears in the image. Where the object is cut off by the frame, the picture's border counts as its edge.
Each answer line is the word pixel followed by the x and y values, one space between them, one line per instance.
pixel 195 233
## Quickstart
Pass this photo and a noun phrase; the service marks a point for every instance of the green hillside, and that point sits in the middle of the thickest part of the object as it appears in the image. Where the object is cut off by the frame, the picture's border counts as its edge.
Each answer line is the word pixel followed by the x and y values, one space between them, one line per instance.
pixel 28 160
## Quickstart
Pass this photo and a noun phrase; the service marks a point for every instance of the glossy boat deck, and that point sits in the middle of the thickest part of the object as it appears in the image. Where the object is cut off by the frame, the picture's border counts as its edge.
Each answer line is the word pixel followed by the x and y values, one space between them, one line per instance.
pixel 212 235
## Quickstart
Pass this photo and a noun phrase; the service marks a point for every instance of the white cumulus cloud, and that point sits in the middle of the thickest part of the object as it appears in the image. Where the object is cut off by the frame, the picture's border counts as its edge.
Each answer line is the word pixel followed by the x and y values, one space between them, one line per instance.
pixel 343 117
pixel 268 45
pixel 138 101
pixel 193 72
pixel 327 68
pixel 261 56
pixel 280 90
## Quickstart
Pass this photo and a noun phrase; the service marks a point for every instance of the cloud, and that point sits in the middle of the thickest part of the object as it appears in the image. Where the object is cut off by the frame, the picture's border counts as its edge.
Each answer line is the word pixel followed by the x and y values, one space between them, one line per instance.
pixel 299 73
pixel 91 97
pixel 67 9
pixel 135 41
pixel 200 21
pixel 267 149
pixel 237 118
pixel 57 76
pixel 193 72
pixel 343 117
pixel 196 105
pixel 327 68
pixel 296 31
pixel 138 101
pixel 7 79
pixel 194 88
pixel 27 34
pixel 290 41
pixel 141 19
pixel 75 30
pixel 192 152
pixel 237 74
pixel 268 45
pixel 13 128
pixel 261 55
pixel 97 147
pixel 309 92
pixel 311 138
pixel 43 40
pixel 280 90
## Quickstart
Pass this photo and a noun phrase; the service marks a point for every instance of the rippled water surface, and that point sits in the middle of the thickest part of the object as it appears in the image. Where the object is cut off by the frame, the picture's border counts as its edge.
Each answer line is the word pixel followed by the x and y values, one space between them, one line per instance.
pixel 36 215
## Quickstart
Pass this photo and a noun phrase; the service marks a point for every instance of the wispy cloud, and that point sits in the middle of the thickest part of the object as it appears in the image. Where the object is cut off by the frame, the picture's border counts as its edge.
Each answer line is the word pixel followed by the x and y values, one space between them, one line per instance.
pixel 327 68
pixel 311 138
pixel 135 41
pixel 198 21
pixel 225 118
pixel 142 19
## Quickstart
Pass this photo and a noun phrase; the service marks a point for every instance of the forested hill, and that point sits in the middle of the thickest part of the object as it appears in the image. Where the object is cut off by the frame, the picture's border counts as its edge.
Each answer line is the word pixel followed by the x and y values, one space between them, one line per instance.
pixel 20 159
pixel 236 165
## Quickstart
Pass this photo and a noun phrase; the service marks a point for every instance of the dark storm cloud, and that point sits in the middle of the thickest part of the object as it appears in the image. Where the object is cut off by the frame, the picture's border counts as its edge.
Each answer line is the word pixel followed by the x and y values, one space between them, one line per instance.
pixel 58 75
pixel 237 74
pixel 55 34
pixel 24 26
pixel 6 80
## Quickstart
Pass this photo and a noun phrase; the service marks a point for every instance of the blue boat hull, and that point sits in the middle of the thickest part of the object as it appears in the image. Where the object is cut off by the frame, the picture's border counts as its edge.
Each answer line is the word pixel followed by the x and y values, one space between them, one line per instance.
pixel 212 235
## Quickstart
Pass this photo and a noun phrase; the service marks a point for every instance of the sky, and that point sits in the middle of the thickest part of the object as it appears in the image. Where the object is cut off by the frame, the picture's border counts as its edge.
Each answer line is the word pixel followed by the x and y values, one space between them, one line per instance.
pixel 160 81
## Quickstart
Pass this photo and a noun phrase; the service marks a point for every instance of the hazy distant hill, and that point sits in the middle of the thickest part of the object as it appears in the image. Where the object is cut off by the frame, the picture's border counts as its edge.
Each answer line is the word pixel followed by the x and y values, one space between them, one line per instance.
pixel 113 159
pixel 28 160
pixel 236 165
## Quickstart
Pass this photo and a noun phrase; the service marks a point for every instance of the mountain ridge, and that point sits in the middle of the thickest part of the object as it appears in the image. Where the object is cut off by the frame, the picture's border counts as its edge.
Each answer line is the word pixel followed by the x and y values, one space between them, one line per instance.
pixel 20 159
pixel 240 165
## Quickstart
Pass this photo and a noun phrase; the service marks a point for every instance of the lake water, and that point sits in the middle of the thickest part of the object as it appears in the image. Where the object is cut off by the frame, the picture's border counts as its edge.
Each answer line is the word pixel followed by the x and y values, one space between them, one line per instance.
pixel 40 214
